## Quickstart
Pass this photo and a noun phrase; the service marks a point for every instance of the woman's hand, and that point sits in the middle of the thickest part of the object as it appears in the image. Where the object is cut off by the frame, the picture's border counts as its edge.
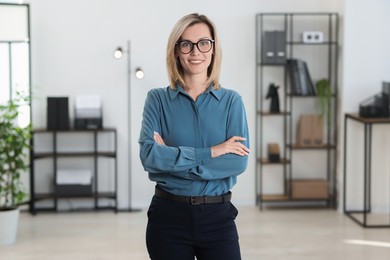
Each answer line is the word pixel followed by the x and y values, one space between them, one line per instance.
pixel 158 139
pixel 232 145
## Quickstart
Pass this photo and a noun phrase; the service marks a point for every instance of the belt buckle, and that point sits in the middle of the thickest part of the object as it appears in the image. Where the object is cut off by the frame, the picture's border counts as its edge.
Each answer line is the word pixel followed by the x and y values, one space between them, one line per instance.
pixel 193 201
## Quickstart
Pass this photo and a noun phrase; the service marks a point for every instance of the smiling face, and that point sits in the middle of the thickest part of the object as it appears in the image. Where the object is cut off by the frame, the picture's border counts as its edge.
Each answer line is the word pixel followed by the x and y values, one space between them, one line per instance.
pixel 195 63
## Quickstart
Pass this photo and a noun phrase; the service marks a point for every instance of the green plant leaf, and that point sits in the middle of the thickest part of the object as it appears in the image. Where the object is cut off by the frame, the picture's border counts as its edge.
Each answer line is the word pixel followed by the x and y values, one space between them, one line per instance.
pixel 324 95
pixel 14 147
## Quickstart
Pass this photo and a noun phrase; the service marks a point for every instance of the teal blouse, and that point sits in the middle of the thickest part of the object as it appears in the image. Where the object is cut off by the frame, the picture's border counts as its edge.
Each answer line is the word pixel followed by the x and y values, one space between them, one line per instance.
pixel 189 128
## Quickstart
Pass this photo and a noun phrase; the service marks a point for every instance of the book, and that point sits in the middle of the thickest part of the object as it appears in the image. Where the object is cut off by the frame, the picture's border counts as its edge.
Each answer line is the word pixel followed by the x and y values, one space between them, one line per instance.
pixel 309 82
pixel 296 88
pixel 300 80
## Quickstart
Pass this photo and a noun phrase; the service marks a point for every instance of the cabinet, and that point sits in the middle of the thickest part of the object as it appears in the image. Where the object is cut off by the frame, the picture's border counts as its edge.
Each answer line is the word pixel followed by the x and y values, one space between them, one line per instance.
pixel 304 174
pixel 70 146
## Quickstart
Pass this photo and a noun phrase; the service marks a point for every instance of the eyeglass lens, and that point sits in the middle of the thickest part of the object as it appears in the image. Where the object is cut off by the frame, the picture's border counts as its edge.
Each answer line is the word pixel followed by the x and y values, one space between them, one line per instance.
pixel 204 46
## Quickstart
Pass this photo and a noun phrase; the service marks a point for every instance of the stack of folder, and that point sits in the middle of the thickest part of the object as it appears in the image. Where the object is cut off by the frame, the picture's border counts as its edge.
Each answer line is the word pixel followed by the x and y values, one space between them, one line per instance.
pixel 274 48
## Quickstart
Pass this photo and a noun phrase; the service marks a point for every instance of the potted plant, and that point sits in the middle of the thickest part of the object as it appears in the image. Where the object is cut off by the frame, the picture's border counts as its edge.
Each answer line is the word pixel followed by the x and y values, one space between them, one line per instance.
pixel 14 147
pixel 324 95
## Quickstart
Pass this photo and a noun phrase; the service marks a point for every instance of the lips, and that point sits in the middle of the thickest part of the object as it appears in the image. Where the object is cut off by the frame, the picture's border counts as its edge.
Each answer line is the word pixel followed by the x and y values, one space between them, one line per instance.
pixel 195 61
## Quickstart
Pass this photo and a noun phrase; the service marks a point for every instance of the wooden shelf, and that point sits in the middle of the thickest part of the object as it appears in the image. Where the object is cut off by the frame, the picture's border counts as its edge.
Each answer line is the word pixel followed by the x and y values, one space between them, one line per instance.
pixel 282 197
pixel 44 130
pixel 267 113
pixel 266 161
pixel 275 197
pixel 305 96
pixel 73 154
pixel 43 196
pixel 311 147
pixel 369 120
pixel 271 64
pixel 324 43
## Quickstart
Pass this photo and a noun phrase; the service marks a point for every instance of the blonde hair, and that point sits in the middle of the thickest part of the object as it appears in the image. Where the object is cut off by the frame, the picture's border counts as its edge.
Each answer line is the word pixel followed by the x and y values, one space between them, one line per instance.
pixel 175 70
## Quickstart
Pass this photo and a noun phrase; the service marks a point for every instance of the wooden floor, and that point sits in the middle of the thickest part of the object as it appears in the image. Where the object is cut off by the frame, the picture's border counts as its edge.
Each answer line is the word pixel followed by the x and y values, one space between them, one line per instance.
pixel 280 234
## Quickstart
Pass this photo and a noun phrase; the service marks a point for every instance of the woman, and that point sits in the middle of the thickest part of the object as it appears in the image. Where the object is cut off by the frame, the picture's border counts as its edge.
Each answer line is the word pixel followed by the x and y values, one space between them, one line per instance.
pixel 194 144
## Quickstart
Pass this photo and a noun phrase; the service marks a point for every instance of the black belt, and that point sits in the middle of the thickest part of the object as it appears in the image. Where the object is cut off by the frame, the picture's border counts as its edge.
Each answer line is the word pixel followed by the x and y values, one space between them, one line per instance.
pixel 195 200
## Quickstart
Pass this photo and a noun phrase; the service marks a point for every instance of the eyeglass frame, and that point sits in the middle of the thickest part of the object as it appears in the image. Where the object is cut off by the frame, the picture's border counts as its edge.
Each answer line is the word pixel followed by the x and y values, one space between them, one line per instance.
pixel 193 45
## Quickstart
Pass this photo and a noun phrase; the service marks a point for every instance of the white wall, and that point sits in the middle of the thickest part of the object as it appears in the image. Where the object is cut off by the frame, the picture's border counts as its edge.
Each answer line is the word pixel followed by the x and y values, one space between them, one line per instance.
pixel 72 46
pixel 366 64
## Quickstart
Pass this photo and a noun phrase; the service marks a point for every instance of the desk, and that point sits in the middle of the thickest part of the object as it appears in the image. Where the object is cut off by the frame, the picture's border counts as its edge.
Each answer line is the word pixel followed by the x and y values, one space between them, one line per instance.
pixel 368 123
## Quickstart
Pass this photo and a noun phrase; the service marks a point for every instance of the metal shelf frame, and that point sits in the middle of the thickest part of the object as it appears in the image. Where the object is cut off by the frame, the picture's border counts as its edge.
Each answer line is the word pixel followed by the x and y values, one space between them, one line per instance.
pixel 55 156
pixel 288 22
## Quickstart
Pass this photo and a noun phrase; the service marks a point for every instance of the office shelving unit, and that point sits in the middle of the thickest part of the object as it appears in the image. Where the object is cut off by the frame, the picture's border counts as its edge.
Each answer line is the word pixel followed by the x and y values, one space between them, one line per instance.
pixel 274 179
pixel 56 154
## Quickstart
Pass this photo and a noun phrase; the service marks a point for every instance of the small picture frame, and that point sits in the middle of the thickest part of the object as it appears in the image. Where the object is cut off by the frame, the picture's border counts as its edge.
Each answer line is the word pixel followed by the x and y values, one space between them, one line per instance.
pixel 313 37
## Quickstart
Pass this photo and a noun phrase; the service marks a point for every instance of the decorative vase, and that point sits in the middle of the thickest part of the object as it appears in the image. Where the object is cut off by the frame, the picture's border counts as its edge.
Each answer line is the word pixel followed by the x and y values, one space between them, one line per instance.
pixel 8 226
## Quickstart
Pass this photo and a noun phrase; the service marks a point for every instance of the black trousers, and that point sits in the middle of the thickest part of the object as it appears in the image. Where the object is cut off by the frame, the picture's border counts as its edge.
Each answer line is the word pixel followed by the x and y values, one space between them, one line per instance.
pixel 181 231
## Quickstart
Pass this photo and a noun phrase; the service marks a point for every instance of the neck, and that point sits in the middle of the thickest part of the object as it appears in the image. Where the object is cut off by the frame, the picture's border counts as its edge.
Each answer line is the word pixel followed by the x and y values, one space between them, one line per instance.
pixel 195 86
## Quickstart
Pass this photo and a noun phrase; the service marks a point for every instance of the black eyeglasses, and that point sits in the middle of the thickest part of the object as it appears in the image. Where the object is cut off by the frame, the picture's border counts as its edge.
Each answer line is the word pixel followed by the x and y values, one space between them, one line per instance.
pixel 203 45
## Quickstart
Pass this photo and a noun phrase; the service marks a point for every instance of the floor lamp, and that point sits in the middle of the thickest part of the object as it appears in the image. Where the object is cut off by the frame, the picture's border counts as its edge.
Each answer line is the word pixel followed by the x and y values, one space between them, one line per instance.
pixel 118 54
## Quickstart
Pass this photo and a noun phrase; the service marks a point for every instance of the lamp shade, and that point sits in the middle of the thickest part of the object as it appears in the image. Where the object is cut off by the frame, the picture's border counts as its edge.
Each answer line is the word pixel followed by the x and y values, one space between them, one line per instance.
pixel 139 73
pixel 118 53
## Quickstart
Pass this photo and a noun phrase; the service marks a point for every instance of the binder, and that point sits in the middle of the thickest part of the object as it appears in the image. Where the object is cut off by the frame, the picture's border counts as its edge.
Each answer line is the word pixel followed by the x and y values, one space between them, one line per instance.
pixel 274 48
pixel 57 113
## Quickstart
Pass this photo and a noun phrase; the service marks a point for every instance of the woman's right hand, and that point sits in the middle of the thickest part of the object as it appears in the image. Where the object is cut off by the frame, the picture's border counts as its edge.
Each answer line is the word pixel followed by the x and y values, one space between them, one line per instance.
pixel 158 139
pixel 232 145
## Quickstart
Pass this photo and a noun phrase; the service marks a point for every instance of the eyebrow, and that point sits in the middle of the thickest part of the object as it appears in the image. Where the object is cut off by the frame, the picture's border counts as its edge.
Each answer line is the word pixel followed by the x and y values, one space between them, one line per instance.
pixel 203 38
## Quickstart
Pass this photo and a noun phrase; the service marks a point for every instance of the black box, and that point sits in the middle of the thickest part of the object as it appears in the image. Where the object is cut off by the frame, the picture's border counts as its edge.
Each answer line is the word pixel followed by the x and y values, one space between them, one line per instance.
pixel 386 97
pixel 57 113
pixel 378 105
pixel 374 107
pixel 88 123
pixel 73 190
pixel 273 152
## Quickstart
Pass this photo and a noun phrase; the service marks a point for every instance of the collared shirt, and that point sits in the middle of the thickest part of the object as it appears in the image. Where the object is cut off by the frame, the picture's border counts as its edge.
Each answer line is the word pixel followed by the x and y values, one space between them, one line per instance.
pixel 184 166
